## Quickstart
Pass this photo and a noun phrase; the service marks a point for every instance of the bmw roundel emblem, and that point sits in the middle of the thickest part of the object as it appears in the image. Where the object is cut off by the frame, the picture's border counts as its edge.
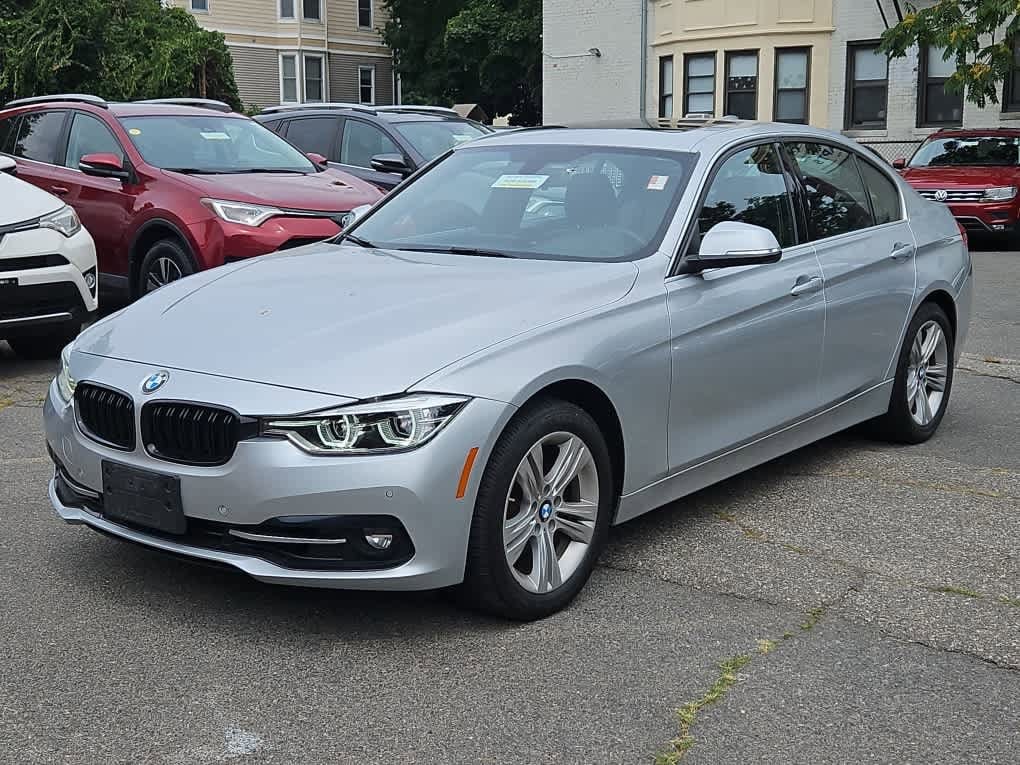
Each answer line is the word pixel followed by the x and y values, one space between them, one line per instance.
pixel 155 381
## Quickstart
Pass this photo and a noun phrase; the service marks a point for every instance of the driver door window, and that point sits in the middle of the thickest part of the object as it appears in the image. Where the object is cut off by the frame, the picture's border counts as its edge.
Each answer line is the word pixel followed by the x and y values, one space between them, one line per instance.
pixel 361 142
pixel 836 199
pixel 750 187
pixel 90 136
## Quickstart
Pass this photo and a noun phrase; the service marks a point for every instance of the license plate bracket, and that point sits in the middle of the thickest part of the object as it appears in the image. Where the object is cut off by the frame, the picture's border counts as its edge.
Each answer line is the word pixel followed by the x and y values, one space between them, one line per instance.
pixel 144 498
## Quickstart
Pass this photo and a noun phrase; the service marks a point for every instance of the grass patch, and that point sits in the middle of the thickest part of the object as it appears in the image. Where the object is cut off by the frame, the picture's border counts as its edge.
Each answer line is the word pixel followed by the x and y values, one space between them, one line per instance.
pixel 765 646
pixel 688 713
pixel 5 402
pixel 813 616
pixel 1009 601
pixel 962 591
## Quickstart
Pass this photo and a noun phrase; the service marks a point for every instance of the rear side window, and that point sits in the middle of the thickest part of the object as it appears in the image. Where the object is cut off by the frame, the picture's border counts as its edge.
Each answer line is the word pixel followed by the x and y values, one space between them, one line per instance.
pixel 7 128
pixel 885 197
pixel 39 135
pixel 314 134
pixel 90 136
pixel 836 199
pixel 750 188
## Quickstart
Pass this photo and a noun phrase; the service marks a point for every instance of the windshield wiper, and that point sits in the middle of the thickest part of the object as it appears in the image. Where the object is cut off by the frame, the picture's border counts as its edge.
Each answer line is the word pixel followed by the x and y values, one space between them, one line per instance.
pixel 191 170
pixel 458 251
pixel 265 170
pixel 353 240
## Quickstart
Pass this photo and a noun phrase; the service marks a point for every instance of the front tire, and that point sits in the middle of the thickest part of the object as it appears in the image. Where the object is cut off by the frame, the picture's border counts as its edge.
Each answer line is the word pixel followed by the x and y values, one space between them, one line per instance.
pixel 165 262
pixel 542 514
pixel 924 379
pixel 45 345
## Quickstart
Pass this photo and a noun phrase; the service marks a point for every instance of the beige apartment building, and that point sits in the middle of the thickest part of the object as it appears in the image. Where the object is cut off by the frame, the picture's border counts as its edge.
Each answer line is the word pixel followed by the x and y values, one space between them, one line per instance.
pixel 301 51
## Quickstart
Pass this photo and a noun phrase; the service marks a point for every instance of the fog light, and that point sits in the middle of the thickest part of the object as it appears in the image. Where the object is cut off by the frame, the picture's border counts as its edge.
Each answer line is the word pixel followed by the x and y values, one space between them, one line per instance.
pixel 90 280
pixel 379 541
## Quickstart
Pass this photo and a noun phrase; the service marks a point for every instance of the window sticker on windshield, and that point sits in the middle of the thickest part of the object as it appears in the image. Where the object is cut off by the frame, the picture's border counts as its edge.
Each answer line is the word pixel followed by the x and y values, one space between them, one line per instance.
pixel 215 136
pixel 134 131
pixel 658 182
pixel 520 181
pixel 463 138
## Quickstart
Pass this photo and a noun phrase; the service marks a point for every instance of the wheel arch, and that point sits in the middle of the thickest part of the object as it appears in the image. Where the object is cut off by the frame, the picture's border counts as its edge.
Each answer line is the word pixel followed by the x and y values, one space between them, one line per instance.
pixel 944 300
pixel 150 232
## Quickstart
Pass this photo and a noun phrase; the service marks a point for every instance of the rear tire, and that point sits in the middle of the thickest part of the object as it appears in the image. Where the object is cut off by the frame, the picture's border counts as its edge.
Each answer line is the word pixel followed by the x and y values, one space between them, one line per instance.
pixel 924 379
pixel 531 550
pixel 165 262
pixel 45 344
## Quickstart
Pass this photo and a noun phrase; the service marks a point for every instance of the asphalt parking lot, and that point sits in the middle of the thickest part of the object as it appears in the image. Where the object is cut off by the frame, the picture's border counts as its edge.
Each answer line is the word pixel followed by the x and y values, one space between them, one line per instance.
pixel 852 602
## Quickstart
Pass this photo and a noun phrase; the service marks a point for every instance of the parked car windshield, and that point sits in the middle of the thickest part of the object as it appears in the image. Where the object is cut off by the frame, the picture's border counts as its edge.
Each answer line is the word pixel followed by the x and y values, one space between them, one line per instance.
pixel 553 202
pixel 213 144
pixel 430 139
pixel 972 150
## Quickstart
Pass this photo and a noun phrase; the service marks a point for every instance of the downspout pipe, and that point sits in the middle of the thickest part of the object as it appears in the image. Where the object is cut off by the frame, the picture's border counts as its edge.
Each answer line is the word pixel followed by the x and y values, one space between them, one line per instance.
pixel 643 100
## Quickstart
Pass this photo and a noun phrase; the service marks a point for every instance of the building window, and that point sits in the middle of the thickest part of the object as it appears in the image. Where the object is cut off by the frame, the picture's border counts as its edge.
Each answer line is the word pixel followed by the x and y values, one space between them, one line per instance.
pixel 365 14
pixel 311 10
pixel 793 66
pixel 366 84
pixel 742 84
pixel 200 6
pixel 867 89
pixel 666 87
pixel 699 83
pixel 1011 99
pixel 935 105
pixel 313 76
pixel 288 79
pixel 286 9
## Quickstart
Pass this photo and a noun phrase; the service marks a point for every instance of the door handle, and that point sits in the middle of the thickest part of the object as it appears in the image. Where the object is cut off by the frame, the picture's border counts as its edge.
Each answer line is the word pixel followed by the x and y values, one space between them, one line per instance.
pixel 901 251
pixel 60 190
pixel 806 284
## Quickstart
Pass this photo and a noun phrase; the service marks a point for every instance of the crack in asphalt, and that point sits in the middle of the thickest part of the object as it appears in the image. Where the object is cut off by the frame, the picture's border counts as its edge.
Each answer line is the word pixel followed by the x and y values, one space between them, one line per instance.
pixel 958 651
pixel 907 483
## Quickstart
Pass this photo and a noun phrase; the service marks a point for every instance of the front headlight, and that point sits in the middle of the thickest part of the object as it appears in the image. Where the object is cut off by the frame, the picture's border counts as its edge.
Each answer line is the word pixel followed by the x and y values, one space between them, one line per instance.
pixel 999 194
pixel 241 212
pixel 65 220
pixel 379 427
pixel 65 383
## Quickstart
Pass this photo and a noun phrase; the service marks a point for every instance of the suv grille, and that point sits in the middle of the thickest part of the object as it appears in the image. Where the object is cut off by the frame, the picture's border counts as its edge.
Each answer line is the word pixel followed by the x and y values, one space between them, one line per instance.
pixel 954 195
pixel 105 415
pixel 193 434
pixel 33 261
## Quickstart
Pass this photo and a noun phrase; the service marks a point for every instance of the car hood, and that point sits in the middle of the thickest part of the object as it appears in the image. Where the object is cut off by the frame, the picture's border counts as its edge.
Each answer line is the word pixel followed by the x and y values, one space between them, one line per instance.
pixel 328 191
pixel 961 177
pixel 22 201
pixel 349 321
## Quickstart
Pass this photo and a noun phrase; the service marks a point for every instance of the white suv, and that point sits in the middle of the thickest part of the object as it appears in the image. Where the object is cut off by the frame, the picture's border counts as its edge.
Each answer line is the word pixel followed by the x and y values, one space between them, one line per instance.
pixel 48 278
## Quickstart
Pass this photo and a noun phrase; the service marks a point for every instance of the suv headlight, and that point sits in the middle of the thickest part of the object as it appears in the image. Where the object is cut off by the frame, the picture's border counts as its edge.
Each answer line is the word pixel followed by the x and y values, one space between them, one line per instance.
pixel 378 427
pixel 65 220
pixel 65 383
pixel 241 212
pixel 999 194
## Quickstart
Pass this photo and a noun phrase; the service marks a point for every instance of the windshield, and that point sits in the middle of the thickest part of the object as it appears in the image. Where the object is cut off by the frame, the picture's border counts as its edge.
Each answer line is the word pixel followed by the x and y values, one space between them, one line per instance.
pixel 213 144
pixel 972 150
pixel 430 139
pixel 549 202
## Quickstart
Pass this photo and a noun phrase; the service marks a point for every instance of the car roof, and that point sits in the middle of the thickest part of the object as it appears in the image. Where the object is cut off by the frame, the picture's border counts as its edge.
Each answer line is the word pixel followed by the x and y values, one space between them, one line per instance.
pixel 975 132
pixel 152 110
pixel 366 114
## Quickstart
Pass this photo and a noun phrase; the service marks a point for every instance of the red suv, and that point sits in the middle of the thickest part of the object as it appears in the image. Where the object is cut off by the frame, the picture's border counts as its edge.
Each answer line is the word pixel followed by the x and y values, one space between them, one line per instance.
pixel 172 187
pixel 975 172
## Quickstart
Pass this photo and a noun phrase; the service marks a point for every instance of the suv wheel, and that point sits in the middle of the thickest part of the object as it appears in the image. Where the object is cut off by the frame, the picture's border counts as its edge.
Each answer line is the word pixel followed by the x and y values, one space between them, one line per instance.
pixel 165 262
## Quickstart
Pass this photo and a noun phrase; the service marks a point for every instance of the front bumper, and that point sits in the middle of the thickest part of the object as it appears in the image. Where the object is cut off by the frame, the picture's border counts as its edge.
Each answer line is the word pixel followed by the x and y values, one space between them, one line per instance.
pixel 222 242
pixel 990 218
pixel 269 479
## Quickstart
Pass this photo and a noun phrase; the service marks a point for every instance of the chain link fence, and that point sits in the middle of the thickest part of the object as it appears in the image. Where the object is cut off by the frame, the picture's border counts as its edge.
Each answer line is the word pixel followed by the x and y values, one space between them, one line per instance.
pixel 890 150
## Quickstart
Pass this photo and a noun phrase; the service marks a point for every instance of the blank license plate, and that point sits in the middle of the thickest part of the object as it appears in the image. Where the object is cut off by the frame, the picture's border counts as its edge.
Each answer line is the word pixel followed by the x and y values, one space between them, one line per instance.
pixel 143 498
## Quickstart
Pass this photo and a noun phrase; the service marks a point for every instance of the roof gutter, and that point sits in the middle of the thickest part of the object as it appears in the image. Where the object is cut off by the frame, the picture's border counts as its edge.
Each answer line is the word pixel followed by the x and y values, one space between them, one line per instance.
pixel 644 65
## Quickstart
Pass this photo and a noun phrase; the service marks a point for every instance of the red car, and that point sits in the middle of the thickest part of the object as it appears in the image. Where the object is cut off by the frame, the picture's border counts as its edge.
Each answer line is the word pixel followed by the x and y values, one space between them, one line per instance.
pixel 170 188
pixel 975 172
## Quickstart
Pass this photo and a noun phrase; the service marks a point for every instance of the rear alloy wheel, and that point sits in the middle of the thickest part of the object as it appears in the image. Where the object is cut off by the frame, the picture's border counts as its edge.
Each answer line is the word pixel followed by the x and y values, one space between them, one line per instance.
pixel 924 379
pixel 542 513
pixel 165 262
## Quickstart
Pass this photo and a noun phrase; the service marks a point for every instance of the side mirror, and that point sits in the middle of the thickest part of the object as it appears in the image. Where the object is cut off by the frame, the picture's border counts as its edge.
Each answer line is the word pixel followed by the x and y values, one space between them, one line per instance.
pixel 103 166
pixel 390 163
pixel 317 159
pixel 900 163
pixel 730 244
pixel 8 165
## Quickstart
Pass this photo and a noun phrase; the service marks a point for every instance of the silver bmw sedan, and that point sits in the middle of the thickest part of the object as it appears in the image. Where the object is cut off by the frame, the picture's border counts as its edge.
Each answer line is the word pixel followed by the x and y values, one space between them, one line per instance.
pixel 542 334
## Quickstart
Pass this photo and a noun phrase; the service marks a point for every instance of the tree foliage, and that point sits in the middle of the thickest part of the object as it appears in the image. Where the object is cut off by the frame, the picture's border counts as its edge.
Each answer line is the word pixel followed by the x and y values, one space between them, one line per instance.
pixel 976 35
pixel 122 50
pixel 487 52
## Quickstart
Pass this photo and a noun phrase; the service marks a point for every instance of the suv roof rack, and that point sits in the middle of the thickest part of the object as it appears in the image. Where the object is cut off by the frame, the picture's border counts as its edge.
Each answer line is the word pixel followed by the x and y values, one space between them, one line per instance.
pixel 81 98
pixel 326 105
pixel 202 103
pixel 416 108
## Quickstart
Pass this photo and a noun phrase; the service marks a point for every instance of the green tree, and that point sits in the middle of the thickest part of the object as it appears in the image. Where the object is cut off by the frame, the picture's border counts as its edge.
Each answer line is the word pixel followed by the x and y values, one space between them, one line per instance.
pixel 487 52
pixel 122 50
pixel 976 35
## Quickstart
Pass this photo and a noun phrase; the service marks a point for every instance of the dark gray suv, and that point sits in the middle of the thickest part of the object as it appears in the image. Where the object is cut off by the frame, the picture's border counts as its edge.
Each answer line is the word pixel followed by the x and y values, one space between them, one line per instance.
pixel 381 144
